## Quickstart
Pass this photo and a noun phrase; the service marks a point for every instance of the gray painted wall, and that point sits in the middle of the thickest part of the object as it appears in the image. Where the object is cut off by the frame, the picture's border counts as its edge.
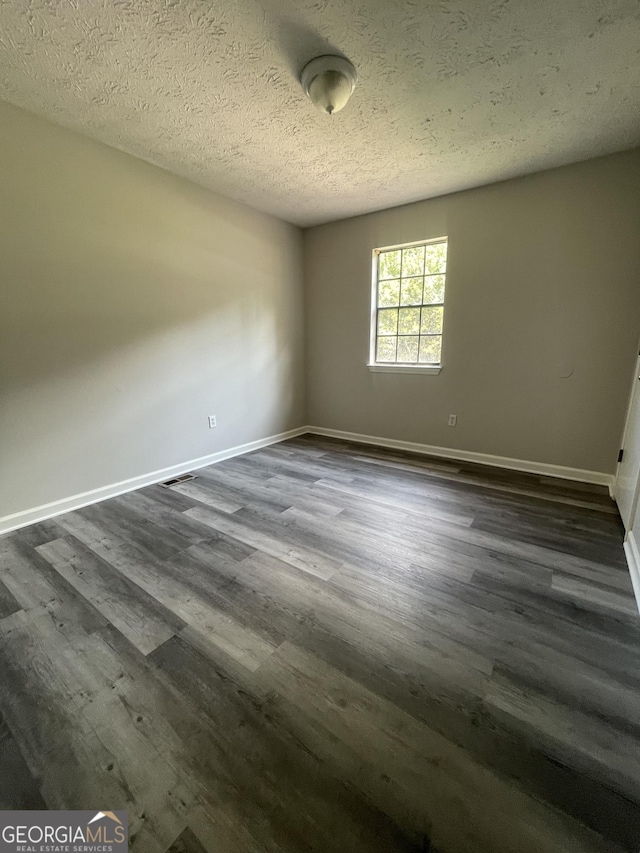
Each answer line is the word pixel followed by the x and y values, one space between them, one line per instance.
pixel 132 305
pixel 541 270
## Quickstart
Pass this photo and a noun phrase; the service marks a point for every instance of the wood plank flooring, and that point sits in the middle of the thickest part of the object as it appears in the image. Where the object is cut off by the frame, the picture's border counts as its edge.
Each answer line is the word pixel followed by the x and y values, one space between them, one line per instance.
pixel 324 646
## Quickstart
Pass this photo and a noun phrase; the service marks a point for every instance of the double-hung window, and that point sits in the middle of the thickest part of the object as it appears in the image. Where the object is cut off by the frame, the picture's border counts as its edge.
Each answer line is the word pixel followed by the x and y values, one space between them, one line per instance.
pixel 408 305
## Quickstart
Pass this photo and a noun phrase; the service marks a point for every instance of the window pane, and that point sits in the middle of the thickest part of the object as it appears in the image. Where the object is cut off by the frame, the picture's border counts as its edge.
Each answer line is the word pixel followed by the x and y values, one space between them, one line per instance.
pixel 413 261
pixel 431 321
pixel 389 264
pixel 436 258
pixel 408 349
pixel 433 289
pixel 388 293
pixel 411 291
pixel 409 321
pixel 430 349
pixel 386 349
pixel 409 297
pixel 388 321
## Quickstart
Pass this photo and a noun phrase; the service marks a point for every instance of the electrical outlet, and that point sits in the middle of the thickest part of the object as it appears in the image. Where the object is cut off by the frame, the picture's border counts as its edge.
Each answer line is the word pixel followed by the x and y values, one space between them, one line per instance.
pixel 212 422
pixel 453 420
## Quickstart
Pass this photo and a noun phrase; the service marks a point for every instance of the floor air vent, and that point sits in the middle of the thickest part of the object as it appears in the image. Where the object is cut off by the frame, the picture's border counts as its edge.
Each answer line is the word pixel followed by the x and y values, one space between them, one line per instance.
pixel 174 481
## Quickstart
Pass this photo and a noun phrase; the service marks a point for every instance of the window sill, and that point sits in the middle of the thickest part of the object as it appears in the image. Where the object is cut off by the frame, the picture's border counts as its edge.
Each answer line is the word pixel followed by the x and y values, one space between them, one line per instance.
pixel 405 368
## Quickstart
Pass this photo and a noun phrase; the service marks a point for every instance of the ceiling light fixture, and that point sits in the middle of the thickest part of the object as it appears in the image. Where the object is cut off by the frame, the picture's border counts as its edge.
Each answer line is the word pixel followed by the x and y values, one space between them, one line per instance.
pixel 328 82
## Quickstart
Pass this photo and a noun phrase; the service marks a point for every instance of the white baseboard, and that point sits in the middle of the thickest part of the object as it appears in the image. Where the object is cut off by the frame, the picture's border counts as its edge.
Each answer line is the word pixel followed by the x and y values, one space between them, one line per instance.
pixel 633 561
pixel 50 510
pixel 542 468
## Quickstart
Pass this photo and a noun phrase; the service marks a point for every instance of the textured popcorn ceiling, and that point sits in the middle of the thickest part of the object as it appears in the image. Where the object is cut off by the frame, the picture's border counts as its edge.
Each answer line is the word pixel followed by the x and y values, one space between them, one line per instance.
pixel 451 94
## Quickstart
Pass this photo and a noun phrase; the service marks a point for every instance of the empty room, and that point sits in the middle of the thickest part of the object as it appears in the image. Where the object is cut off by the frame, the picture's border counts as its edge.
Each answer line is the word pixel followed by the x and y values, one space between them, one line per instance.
pixel 319 426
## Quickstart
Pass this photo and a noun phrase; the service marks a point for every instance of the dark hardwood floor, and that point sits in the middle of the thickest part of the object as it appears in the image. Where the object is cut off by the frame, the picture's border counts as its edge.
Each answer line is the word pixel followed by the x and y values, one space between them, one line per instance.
pixel 329 647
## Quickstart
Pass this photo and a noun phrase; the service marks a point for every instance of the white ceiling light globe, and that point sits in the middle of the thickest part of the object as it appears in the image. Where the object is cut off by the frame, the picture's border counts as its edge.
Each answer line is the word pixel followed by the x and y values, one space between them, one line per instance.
pixel 328 82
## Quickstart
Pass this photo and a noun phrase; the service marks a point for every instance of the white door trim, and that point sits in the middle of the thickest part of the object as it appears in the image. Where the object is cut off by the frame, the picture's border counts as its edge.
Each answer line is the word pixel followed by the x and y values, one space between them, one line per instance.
pixel 635 389
pixel 633 561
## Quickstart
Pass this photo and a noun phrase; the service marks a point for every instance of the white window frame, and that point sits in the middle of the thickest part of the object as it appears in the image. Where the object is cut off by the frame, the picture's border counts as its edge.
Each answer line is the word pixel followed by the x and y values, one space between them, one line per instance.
pixel 390 367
